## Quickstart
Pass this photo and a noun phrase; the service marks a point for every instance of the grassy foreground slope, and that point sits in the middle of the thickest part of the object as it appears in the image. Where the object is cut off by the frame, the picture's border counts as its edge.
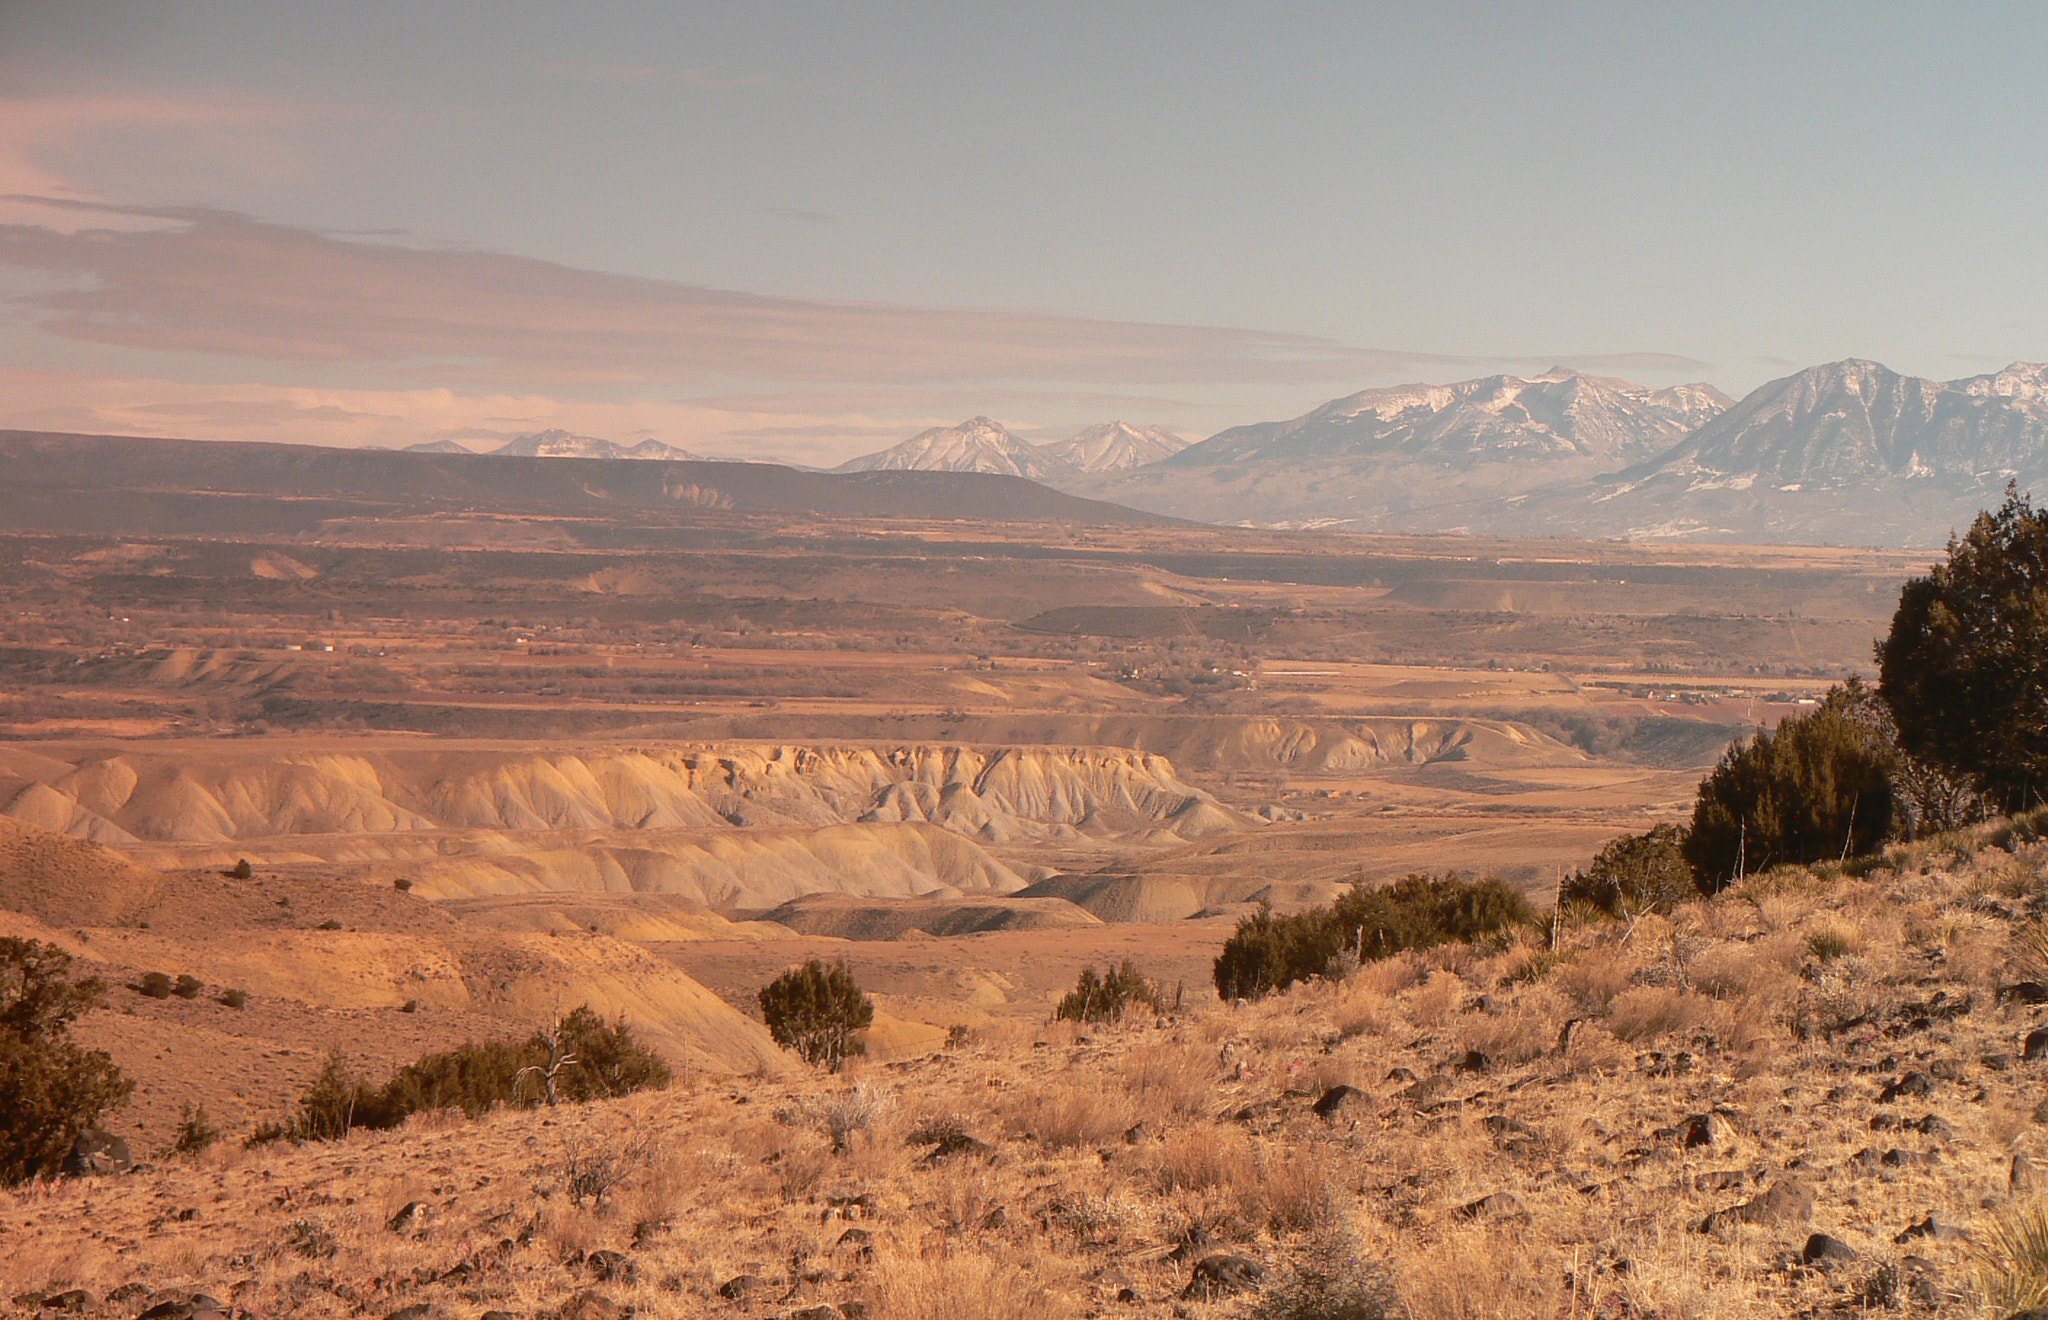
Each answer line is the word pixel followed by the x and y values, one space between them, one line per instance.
pixel 1637 1119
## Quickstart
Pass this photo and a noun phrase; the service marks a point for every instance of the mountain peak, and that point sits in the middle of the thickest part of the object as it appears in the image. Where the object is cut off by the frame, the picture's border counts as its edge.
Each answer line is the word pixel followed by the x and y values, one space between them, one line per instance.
pixel 979 444
pixel 555 442
pixel 1561 415
pixel 1115 447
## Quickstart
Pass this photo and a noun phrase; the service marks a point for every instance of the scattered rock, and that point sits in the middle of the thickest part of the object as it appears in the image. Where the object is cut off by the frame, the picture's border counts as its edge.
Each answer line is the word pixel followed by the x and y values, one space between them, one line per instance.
pixel 1136 1133
pixel 1220 1276
pixel 1500 1205
pixel 2035 1046
pixel 169 1310
pixel 859 1240
pixel 1784 1203
pixel 591 1306
pixel 310 1240
pixel 995 1219
pixel 1908 1159
pixel 958 1143
pixel 1403 1075
pixel 822 1311
pixel 740 1286
pixel 1997 1062
pixel 2022 1178
pixel 1475 1061
pixel 1709 1132
pixel 1822 1248
pixel 1913 1084
pixel 2026 992
pixel 1337 1099
pixel 1928 1228
pixel 417 1311
pixel 610 1266
pixel 411 1215
pixel 1193 1242
pixel 98 1151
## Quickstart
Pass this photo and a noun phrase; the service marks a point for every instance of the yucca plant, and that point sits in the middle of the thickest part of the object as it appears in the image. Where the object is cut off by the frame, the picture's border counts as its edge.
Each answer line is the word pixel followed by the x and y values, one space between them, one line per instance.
pixel 2012 1259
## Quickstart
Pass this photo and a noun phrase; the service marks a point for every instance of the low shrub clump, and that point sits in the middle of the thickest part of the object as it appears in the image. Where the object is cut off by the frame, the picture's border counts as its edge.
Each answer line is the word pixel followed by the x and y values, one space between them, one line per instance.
pixel 1634 874
pixel 816 1011
pixel 1269 953
pixel 1819 788
pixel 582 1058
pixel 1105 999
pixel 51 1090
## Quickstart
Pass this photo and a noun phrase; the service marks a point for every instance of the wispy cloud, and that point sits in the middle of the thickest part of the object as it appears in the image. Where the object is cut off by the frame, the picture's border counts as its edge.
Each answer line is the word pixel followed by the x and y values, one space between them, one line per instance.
pixel 223 284
pixel 54 146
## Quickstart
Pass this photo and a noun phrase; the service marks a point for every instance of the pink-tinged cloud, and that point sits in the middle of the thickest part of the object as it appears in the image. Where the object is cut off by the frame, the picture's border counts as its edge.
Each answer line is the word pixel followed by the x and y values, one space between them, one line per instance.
pixel 223 284
pixel 54 146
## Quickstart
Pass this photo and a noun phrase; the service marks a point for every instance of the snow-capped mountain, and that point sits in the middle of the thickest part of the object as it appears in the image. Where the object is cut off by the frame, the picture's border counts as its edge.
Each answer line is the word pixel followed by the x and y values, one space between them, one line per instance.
pixel 1848 452
pixel 1850 422
pixel 1561 414
pixel 557 443
pixel 978 445
pixel 1115 447
pixel 1415 457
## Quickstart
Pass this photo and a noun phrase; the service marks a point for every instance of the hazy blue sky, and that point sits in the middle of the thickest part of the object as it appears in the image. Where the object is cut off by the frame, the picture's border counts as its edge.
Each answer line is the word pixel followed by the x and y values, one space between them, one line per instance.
pixel 808 230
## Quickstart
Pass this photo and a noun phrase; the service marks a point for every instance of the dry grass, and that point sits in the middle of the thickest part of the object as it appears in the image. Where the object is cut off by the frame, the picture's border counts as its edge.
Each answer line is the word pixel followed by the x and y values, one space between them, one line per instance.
pixel 1168 1077
pixel 968 1285
pixel 1055 1226
pixel 1651 1012
pixel 1070 1112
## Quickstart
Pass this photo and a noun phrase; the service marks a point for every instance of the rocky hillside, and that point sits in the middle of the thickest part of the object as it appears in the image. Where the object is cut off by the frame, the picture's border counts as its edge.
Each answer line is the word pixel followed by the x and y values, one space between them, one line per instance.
pixel 1818 1096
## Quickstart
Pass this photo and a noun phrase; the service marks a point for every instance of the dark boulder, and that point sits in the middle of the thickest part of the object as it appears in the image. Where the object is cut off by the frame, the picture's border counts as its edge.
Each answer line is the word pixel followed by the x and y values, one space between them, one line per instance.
pixel 98 1151
pixel 1220 1276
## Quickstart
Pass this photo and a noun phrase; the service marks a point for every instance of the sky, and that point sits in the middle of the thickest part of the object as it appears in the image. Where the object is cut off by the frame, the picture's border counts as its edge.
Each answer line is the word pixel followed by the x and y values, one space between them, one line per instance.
pixel 803 232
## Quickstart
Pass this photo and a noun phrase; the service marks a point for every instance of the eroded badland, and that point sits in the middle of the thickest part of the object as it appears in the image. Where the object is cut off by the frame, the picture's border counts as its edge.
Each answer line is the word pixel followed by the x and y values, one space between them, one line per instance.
pixel 646 762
